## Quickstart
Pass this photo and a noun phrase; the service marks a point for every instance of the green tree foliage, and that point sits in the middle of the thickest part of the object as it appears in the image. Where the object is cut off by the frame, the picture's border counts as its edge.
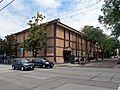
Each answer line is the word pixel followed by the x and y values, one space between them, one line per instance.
pixel 9 45
pixel 36 39
pixel 109 45
pixel 2 44
pixel 93 34
pixel 106 43
pixel 111 16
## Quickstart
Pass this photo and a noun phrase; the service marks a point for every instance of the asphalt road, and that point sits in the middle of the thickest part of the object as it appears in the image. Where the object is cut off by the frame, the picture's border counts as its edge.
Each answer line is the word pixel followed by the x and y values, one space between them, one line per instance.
pixel 106 63
pixel 60 78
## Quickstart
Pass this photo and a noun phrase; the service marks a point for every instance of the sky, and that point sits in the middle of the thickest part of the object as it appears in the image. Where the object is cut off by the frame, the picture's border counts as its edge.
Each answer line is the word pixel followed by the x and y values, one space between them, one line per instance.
pixel 74 13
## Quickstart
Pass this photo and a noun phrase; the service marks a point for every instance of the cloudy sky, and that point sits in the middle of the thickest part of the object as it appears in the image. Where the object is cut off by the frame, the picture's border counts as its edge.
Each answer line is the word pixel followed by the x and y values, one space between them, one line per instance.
pixel 75 13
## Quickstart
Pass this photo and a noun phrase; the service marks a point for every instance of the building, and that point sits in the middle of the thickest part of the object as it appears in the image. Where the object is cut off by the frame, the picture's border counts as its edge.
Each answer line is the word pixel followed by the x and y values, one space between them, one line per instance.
pixel 62 42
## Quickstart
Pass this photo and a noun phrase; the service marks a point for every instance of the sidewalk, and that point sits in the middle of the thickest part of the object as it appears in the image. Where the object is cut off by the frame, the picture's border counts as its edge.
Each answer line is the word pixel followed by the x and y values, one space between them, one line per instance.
pixel 106 63
pixel 72 65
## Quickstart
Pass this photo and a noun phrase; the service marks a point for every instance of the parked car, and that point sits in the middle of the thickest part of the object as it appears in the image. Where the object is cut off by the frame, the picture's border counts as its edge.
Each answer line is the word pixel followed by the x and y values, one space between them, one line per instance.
pixel 22 64
pixel 44 63
pixel 118 61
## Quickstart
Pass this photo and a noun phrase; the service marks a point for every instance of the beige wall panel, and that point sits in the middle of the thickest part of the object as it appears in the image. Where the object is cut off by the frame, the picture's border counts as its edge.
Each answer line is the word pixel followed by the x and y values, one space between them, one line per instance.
pixel 60 59
pixel 28 53
pixel 26 35
pixel 74 45
pixel 50 42
pixel 71 45
pixel 79 39
pixel 60 32
pixel 50 31
pixel 50 51
pixel 80 53
pixel 80 47
pixel 83 46
pixel 83 41
pixel 74 37
pixel 59 42
pixel 67 34
pixel 59 51
pixel 66 44
pixel 71 34
pixel 50 58
pixel 41 52
pixel 20 38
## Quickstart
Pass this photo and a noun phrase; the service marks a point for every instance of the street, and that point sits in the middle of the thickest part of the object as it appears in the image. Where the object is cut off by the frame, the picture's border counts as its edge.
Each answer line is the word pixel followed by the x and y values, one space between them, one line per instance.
pixel 60 78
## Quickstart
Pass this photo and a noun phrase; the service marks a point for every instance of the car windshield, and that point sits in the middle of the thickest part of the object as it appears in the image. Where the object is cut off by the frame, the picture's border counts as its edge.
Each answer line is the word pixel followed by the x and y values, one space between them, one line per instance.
pixel 24 61
pixel 43 60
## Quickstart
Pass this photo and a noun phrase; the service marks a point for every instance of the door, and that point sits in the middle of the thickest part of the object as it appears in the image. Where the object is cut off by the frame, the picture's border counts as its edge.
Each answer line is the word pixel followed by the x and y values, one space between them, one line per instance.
pixel 66 55
pixel 18 64
pixel 38 62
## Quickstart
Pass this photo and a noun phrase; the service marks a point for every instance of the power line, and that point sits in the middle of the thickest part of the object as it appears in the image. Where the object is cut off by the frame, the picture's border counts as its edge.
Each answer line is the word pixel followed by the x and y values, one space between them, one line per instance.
pixel 6 5
pixel 1 1
pixel 81 8
pixel 80 13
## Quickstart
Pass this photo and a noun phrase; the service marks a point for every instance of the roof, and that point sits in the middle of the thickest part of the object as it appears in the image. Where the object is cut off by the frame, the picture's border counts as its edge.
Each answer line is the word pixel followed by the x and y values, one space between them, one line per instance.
pixel 57 21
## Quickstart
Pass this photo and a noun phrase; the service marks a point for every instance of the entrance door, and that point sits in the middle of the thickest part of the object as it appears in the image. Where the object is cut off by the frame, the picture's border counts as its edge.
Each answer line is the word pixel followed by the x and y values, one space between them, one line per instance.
pixel 66 55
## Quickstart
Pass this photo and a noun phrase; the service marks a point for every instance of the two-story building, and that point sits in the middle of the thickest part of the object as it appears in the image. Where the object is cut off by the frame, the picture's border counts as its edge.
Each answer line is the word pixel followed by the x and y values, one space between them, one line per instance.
pixel 62 41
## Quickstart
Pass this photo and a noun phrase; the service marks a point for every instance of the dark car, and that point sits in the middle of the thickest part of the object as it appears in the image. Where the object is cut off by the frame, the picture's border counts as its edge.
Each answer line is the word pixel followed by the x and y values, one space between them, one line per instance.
pixel 40 62
pixel 22 64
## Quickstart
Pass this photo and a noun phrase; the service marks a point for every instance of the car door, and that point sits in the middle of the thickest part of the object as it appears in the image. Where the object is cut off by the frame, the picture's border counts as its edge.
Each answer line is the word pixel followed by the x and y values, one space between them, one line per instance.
pixel 40 62
pixel 37 62
pixel 18 64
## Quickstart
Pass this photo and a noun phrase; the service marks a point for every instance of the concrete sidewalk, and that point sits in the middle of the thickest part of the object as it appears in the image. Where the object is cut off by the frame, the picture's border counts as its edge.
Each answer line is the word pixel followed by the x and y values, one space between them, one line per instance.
pixel 106 63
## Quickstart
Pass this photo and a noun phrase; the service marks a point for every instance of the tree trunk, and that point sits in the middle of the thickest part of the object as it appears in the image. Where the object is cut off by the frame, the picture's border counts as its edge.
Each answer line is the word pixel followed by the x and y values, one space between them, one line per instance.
pixel 102 57
pixel 33 53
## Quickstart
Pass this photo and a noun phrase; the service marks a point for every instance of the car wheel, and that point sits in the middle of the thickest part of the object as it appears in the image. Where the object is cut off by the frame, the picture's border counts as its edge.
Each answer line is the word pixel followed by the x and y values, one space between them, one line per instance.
pixel 32 68
pixel 51 66
pixel 43 66
pixel 13 67
pixel 22 68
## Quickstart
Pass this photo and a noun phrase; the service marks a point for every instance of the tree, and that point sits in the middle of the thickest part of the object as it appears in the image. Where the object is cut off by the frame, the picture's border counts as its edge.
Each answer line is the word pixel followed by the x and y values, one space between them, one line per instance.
pixel 110 44
pixel 94 35
pixel 36 39
pixel 111 16
pixel 9 45
pixel 107 44
pixel 91 33
pixel 2 44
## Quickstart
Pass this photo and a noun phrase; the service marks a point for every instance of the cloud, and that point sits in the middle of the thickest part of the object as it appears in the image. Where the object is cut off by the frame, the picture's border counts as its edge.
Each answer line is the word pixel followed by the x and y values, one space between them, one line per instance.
pixel 18 5
pixel 82 15
pixel 48 3
pixel 10 23
pixel 14 18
